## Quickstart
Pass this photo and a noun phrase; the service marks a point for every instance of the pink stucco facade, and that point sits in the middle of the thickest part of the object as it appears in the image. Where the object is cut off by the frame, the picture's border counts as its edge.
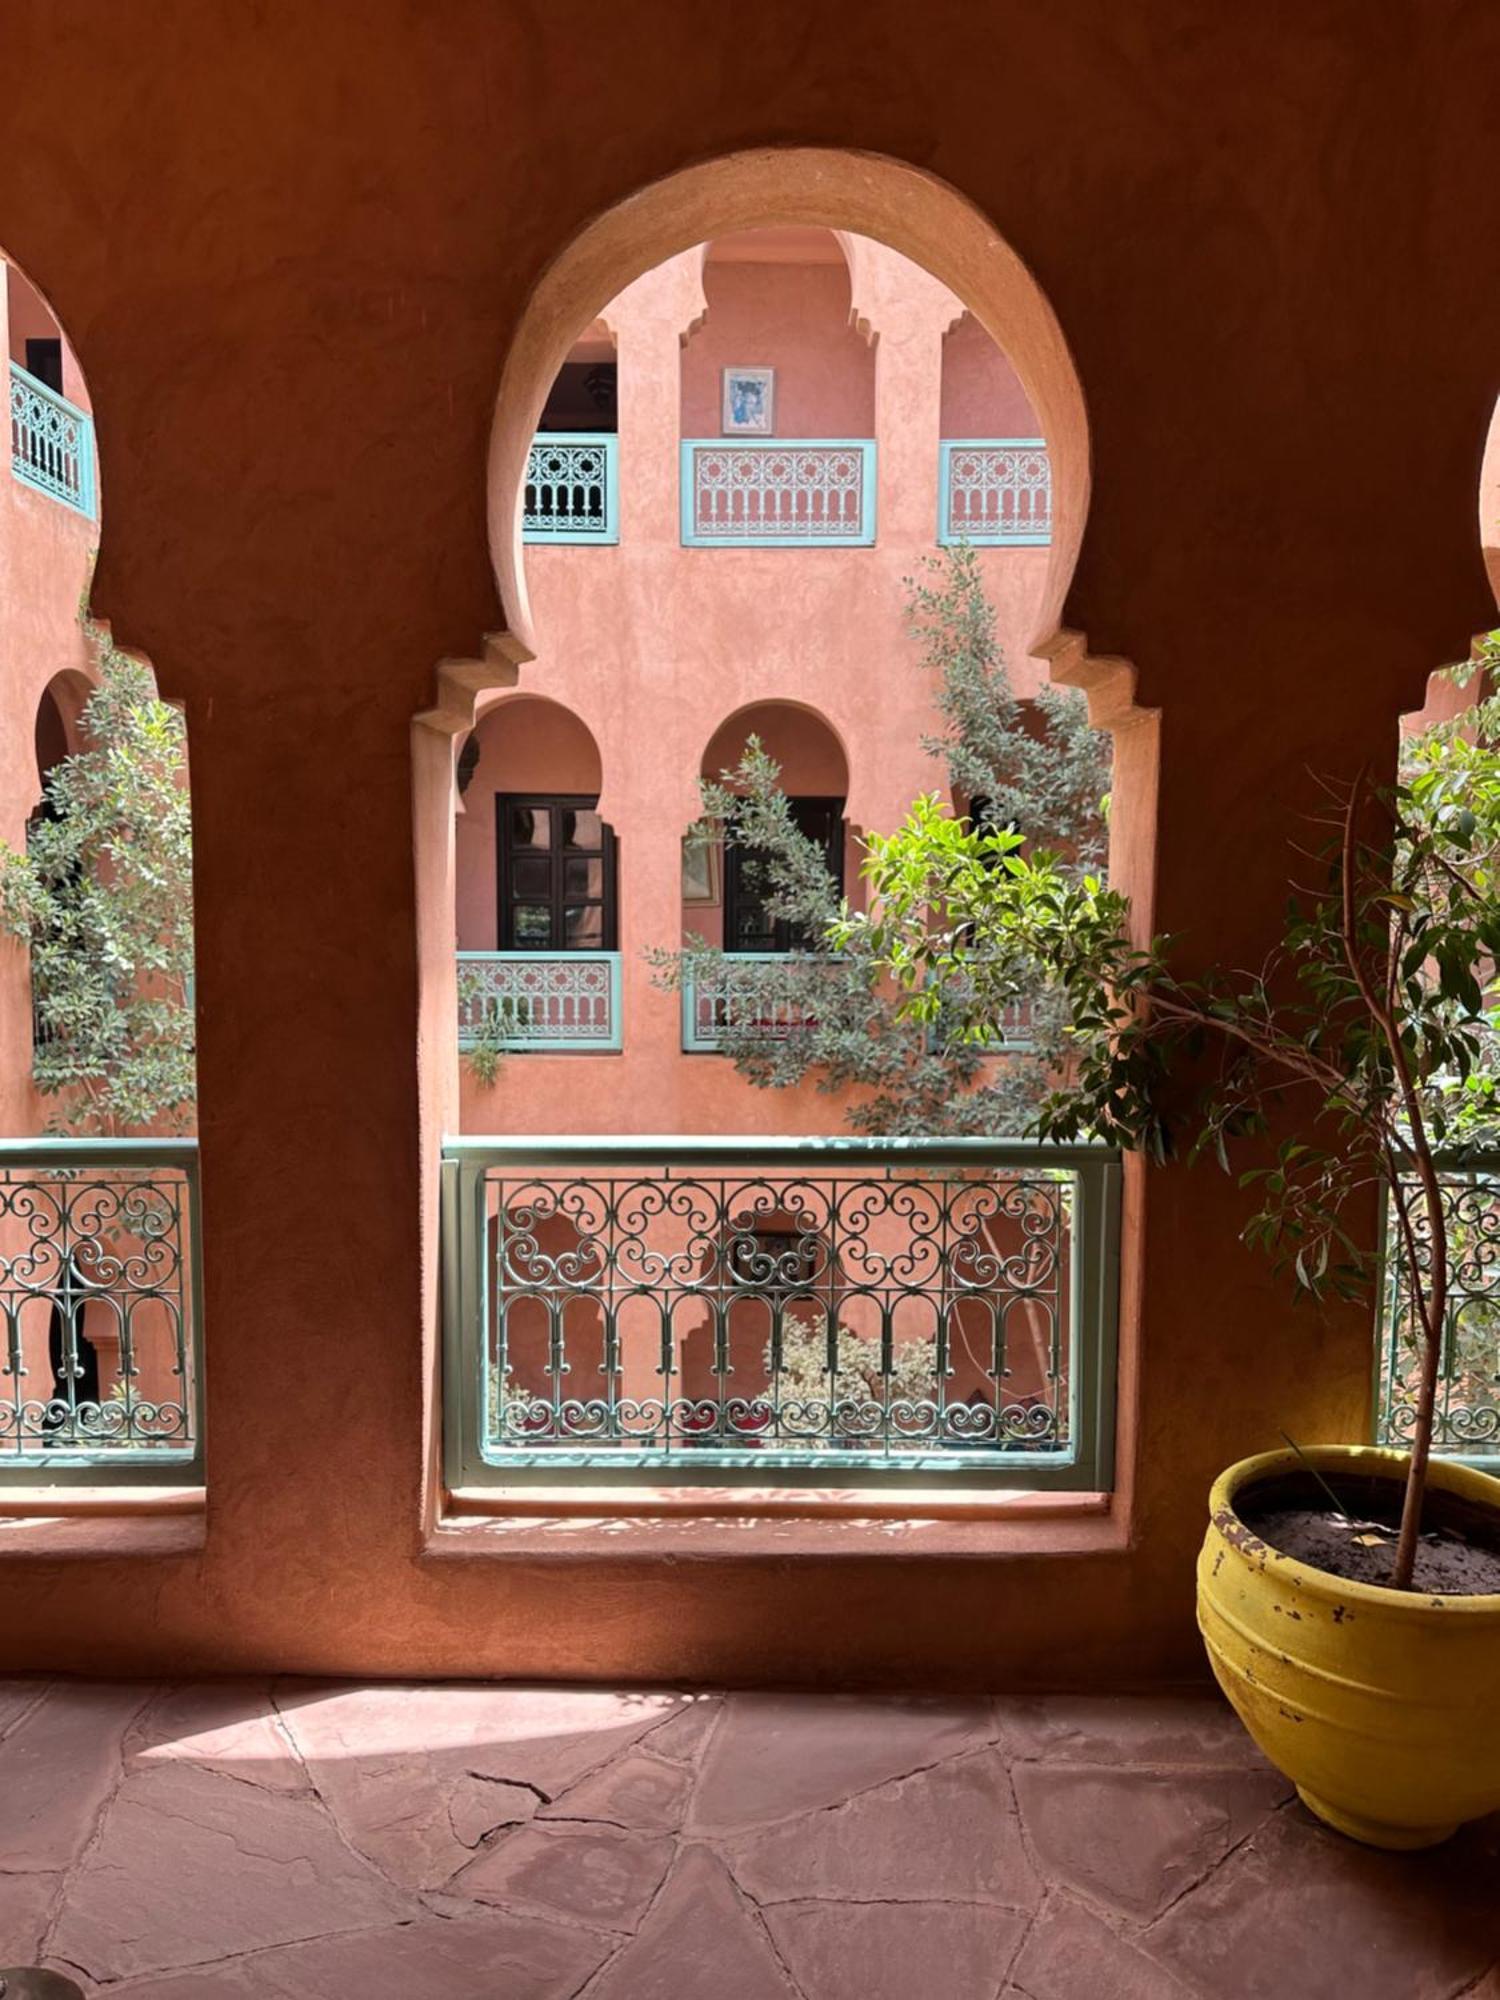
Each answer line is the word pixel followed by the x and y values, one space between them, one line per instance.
pixel 655 659
pixel 45 554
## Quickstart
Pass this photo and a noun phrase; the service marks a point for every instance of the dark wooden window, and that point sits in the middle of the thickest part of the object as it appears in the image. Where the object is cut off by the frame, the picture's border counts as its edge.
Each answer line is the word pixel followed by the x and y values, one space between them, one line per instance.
pixel 556 874
pixel 44 361
pixel 747 924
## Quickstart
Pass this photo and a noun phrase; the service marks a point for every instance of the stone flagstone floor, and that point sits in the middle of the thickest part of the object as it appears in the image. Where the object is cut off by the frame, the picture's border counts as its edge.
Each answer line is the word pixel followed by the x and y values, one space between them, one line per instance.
pixel 270 1842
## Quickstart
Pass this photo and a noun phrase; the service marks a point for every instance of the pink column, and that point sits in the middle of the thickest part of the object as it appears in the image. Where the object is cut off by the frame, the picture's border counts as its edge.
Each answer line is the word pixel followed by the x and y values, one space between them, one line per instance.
pixel 648 733
pixel 907 313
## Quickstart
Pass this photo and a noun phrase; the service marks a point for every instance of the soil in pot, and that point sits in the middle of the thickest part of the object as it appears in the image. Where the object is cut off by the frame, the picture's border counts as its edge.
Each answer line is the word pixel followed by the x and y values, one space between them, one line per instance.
pixel 1458 1555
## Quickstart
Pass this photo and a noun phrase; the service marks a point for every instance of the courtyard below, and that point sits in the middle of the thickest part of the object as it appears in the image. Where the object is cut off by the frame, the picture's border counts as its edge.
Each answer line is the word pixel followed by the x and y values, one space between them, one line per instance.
pixel 270 1841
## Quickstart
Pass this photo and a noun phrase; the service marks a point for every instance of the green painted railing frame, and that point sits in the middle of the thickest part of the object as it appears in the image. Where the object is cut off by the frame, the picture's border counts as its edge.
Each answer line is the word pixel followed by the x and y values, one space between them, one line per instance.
pixel 1477 1165
pixel 608 535
pixel 166 1467
pixel 1086 1466
pixel 542 1045
pixel 86 500
pixel 691 539
pixel 947 536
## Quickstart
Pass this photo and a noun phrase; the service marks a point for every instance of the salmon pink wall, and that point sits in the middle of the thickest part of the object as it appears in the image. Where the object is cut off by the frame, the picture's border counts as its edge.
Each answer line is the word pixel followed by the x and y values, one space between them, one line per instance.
pixel 982 393
pixel 45 553
pixel 793 318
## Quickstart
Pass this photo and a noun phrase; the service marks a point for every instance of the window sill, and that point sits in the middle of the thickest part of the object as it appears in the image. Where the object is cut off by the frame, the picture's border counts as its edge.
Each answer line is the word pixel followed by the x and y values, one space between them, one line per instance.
pixel 101 1521
pixel 570 1525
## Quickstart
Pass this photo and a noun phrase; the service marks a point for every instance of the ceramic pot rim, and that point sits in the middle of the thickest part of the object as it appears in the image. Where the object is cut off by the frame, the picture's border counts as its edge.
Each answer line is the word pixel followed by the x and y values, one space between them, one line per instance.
pixel 1382 1462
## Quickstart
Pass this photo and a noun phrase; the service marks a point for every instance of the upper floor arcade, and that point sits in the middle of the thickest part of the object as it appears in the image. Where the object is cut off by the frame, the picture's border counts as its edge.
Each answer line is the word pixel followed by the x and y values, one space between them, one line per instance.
pixel 739 469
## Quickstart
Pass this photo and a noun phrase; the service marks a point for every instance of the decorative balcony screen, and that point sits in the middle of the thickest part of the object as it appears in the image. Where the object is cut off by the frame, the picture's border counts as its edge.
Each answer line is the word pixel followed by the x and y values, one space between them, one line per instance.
pixel 99 1334
pixel 789 1310
pixel 764 993
pixel 51 442
pixel 995 492
pixel 797 493
pixel 572 488
pixel 540 1000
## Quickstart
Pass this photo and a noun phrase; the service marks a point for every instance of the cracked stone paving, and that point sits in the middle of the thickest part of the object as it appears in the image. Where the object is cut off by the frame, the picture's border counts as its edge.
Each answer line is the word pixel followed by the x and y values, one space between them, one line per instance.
pixel 267 1841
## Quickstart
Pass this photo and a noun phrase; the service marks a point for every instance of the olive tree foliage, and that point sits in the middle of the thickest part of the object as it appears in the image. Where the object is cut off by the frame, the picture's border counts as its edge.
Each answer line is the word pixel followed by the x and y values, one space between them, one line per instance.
pixel 102 898
pixel 1359 1052
pixel 1037 765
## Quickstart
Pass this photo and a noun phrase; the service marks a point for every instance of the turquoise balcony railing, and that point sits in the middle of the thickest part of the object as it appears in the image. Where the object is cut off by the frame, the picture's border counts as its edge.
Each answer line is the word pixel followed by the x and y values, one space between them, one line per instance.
pixel 995 492
pixel 51 442
pixel 798 493
pixel 100 1378
pixel 764 992
pixel 1468 1399
pixel 555 1000
pixel 1016 1021
pixel 779 1310
pixel 572 488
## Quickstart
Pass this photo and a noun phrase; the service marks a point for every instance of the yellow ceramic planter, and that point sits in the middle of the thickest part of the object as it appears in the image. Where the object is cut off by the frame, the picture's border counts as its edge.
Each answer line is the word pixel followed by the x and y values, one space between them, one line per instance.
pixel 1378 1704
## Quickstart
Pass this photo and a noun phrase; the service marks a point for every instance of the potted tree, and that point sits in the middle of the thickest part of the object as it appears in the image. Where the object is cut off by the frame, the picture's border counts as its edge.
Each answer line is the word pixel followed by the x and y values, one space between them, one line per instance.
pixel 1349 1597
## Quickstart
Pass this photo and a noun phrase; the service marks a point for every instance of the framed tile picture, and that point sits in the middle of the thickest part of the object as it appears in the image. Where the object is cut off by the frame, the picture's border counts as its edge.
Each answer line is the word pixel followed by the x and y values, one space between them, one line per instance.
pixel 749 402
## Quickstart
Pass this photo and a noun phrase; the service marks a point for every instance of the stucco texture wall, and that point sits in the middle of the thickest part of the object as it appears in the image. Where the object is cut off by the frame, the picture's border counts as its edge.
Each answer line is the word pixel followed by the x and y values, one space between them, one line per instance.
pixel 340 212
pixel 45 552
pixel 793 318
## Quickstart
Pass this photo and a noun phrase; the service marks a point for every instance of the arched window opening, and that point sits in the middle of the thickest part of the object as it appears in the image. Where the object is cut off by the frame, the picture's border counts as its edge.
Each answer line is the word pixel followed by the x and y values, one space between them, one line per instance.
pixel 99 1380
pixel 785 648
pixel 814 779
pixel 1449 766
pixel 995 480
pixel 51 423
pixel 573 473
pixel 538 903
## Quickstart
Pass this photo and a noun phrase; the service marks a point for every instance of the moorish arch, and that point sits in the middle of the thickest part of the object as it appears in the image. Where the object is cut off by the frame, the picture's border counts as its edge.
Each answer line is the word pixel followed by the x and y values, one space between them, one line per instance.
pixel 854 195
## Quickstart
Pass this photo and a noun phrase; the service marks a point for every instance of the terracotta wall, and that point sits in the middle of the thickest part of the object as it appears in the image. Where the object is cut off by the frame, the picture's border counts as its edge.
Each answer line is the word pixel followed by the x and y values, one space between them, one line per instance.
pixel 341 212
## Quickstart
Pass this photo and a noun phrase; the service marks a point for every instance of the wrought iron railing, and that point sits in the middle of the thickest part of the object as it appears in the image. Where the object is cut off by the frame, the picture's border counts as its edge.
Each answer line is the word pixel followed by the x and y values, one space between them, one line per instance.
pixel 792 1310
pixel 51 442
pixel 797 493
pixel 540 999
pixel 572 488
pixel 995 492
pixel 100 1336
pixel 763 993
pixel 1468 1401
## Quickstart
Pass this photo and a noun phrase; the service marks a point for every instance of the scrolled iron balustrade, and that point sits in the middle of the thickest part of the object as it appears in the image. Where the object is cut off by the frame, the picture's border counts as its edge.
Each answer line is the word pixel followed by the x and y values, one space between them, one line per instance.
pixel 779 1310
pixel 561 1000
pixel 51 442
pixel 784 493
pixel 995 492
pixel 1468 1399
pixel 572 488
pixel 99 1316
